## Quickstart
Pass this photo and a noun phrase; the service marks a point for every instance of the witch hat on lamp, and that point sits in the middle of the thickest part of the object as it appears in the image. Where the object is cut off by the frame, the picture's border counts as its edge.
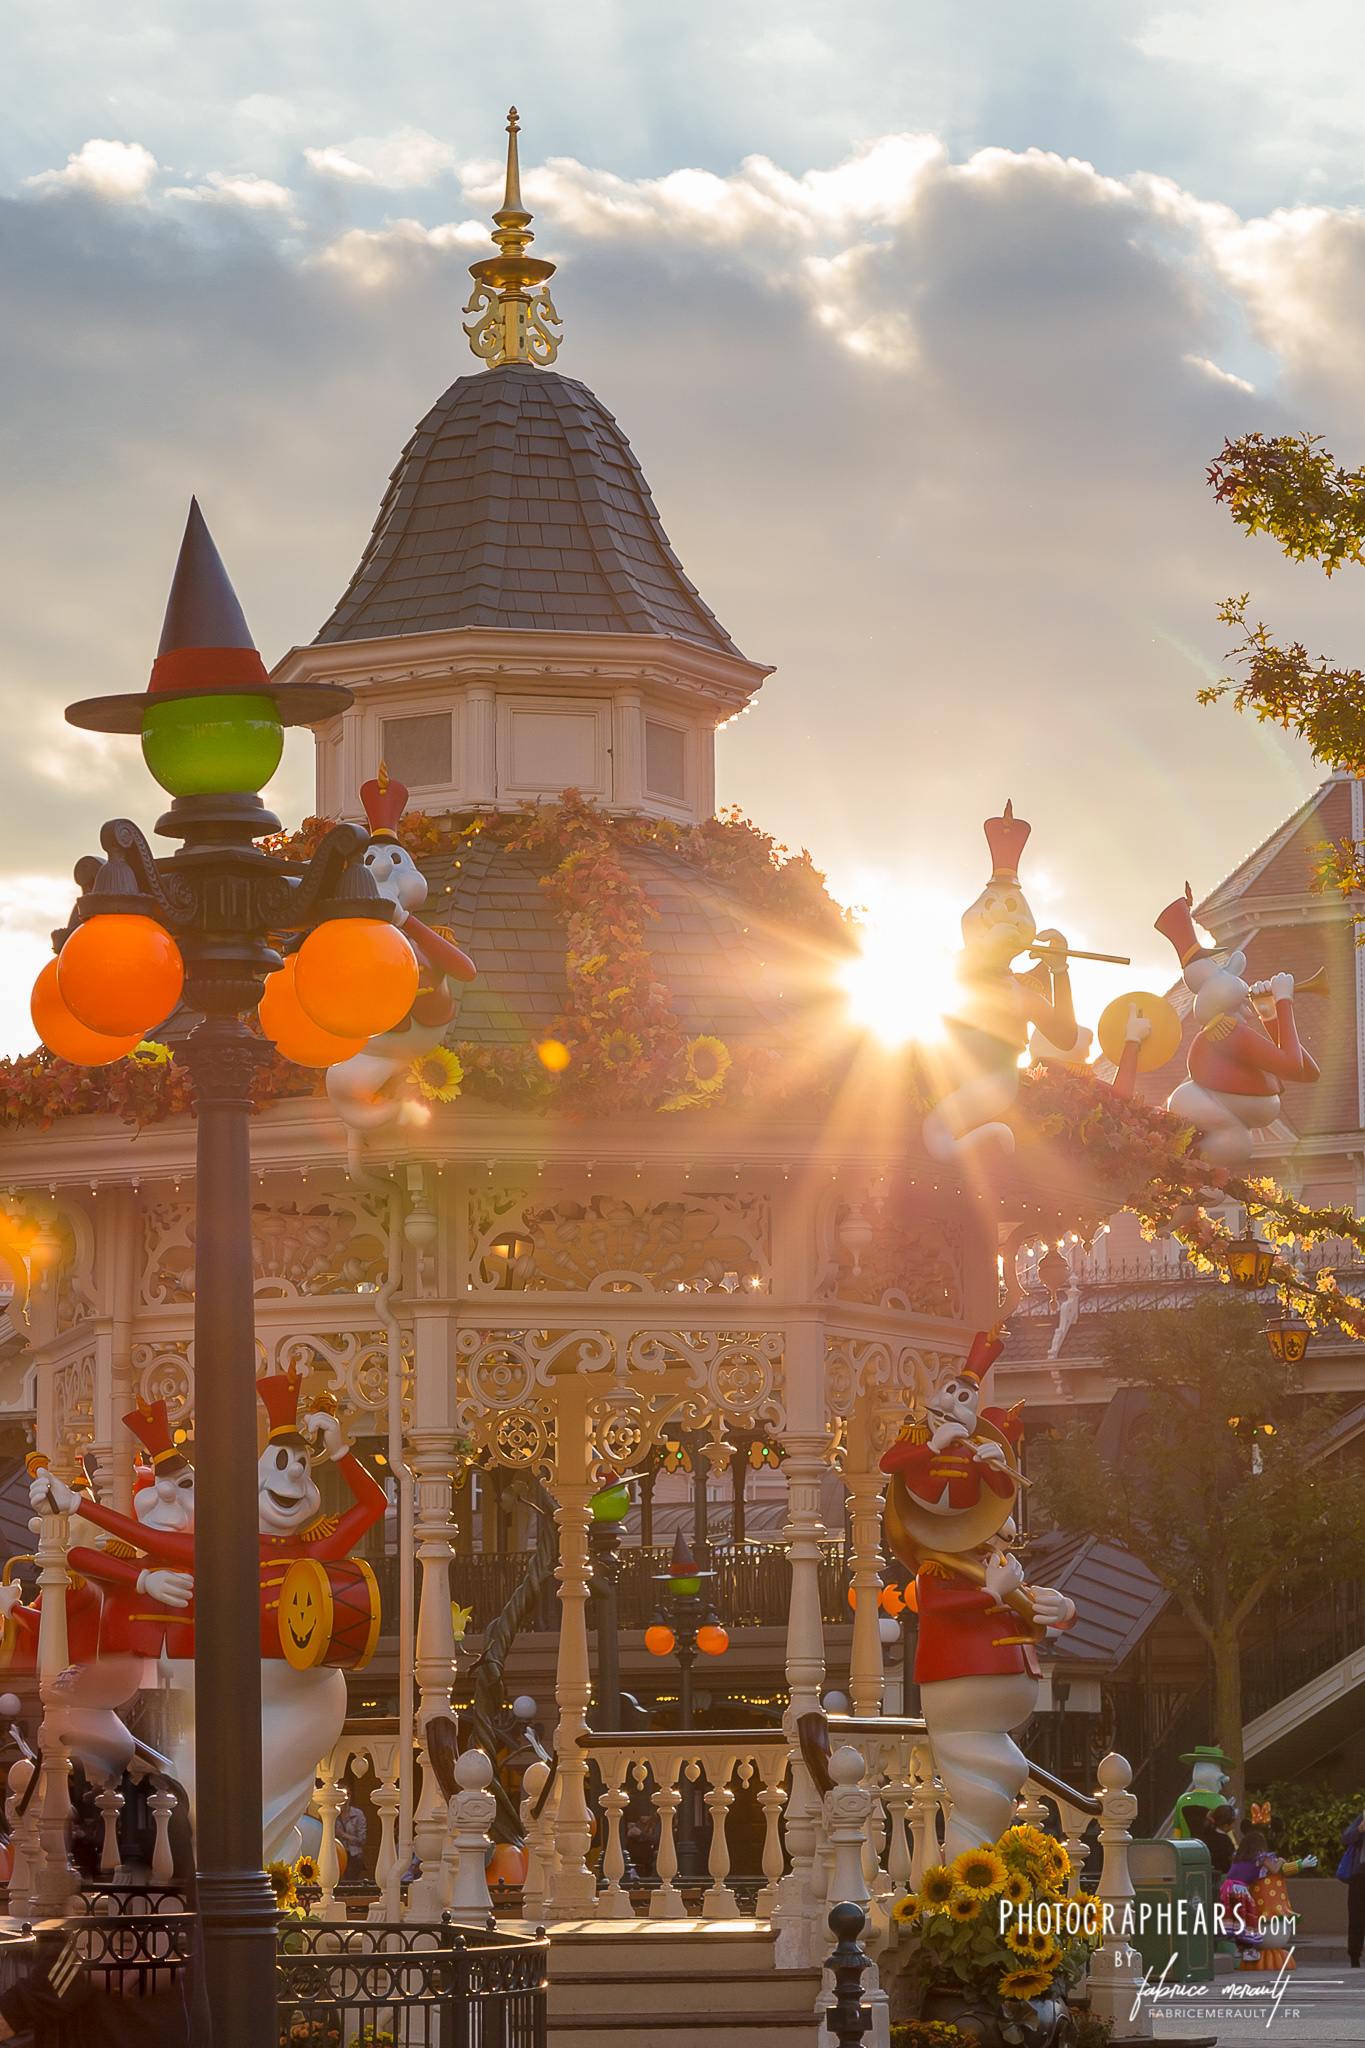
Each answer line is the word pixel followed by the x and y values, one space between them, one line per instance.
pixel 210 718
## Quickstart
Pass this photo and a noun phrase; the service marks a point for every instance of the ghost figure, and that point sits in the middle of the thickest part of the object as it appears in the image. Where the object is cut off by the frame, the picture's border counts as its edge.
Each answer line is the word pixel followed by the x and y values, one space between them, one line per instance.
pixel 358 1087
pixel 302 1711
pixel 976 1665
pixel 1237 1062
pixel 988 1027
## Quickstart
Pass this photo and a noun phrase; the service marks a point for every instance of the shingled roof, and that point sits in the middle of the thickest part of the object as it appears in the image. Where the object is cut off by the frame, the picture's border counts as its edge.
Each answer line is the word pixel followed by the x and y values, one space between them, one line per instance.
pixel 518 503
pixel 729 970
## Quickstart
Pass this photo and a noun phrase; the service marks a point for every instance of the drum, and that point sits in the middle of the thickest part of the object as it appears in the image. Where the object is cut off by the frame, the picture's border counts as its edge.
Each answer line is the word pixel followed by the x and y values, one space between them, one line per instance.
pixel 329 1613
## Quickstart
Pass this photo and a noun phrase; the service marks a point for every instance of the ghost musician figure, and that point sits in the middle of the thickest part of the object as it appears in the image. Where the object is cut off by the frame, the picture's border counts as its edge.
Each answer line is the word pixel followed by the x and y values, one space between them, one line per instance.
pixel 319 1608
pixel 954 1479
pixel 1237 1061
pixel 357 1087
pixel 988 1027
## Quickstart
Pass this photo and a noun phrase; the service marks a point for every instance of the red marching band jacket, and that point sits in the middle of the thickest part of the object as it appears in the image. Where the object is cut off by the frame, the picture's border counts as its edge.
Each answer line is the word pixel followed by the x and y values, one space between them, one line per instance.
pixel 964 1632
pixel 131 1622
pixel 438 957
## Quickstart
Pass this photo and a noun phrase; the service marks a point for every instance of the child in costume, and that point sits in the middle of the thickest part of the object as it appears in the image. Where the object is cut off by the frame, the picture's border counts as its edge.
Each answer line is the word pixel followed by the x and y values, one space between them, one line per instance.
pixel 1264 1874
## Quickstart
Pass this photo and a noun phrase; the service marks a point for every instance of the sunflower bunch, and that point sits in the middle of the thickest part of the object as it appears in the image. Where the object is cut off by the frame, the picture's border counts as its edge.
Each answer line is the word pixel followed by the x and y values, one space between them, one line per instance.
pixel 972 1918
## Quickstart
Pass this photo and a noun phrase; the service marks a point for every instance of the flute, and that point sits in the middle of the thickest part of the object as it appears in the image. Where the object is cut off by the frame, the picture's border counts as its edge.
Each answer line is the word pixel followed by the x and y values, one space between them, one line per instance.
pixel 1074 953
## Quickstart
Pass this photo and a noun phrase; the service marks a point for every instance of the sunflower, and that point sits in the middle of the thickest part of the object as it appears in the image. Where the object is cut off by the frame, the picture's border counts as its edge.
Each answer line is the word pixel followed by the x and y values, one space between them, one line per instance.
pixel 1024 1983
pixel 1017 1939
pixel 438 1074
pixel 1039 1947
pixel 281 1877
pixel 906 1910
pixel 708 1062
pixel 936 1888
pixel 1016 1888
pixel 963 1906
pixel 306 1870
pixel 980 1872
pixel 150 1054
pixel 620 1048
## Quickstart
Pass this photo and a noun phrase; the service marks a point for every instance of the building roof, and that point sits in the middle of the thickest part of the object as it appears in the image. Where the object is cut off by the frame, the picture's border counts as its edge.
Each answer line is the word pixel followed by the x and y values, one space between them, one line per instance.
pixel 730 971
pixel 1117 1598
pixel 518 503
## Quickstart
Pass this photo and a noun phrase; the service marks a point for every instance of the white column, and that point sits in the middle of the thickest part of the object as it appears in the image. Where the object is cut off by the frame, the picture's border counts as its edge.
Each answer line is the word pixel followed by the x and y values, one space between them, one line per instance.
pixel 57 1877
pixel 480 744
pixel 431 1453
pixel 804 1467
pixel 574 1896
pixel 866 1485
pixel 329 1799
pixel 123 1288
pixel 472 1812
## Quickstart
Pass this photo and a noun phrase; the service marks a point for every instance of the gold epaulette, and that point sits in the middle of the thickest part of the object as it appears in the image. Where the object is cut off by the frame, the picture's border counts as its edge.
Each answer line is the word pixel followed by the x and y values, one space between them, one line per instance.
pixel 1220 1028
pixel 930 1570
pixel 116 1547
pixel 325 1525
pixel 913 1433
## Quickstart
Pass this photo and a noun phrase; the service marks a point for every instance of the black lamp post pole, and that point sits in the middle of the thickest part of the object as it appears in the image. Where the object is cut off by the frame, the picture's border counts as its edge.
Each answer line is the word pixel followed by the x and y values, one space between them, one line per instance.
pixel 235 1898
pixel 222 898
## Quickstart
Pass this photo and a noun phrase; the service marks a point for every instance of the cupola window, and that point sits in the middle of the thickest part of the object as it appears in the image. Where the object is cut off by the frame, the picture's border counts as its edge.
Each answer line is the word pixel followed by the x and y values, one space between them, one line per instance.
pixel 417 751
pixel 665 761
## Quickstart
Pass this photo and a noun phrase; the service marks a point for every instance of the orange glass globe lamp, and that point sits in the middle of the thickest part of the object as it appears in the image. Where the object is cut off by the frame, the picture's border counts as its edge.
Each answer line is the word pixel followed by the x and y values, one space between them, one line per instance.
pixel 712 1639
pixel 356 977
pixel 120 974
pixel 296 1037
pixel 64 1034
pixel 659 1640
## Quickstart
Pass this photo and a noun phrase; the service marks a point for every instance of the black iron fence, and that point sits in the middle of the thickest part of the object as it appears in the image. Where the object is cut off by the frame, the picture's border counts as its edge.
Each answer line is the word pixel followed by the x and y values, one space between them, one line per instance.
pixel 751 1589
pixel 396 1985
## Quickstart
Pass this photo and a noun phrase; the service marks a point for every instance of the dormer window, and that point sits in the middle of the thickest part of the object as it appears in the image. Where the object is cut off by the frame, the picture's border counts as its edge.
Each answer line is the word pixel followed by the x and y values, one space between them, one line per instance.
pixel 417 751
pixel 665 761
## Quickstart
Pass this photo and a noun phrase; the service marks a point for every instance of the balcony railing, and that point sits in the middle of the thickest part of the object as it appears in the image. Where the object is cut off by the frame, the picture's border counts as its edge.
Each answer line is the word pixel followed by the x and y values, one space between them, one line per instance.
pixel 751 1589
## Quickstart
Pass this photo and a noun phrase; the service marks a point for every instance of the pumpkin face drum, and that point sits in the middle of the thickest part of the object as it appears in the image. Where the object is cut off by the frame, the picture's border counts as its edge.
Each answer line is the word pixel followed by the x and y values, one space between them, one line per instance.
pixel 329 1613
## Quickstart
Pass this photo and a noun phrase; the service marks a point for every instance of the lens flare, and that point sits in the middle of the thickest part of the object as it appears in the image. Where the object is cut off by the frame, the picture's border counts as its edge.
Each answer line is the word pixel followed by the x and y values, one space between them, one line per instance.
pixel 901 980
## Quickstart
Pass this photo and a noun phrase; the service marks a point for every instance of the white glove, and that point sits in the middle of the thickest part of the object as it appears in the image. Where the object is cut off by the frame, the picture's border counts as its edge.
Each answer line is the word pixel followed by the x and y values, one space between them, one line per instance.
pixel 1051 1609
pixel 1308 1863
pixel 10 1598
pixel 1282 987
pixel 322 1424
pixel 947 1433
pixel 989 1453
pixel 49 1495
pixel 172 1589
pixel 1138 1029
pixel 1004 1573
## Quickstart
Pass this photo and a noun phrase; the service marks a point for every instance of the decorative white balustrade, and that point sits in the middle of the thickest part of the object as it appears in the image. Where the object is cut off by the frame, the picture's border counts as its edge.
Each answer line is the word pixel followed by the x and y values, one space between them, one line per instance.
pixel 372 1754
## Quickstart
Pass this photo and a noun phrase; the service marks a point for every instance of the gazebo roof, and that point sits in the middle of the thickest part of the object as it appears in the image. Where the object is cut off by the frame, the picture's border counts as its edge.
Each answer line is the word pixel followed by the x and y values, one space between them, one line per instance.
pixel 518 503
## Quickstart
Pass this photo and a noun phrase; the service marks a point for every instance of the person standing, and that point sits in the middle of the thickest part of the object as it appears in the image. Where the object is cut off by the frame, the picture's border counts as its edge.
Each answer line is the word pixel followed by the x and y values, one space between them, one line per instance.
pixel 1352 1868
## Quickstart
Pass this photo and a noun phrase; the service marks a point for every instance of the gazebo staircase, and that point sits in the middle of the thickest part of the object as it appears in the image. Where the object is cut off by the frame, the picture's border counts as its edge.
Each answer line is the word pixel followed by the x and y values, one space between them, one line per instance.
pixel 676 1984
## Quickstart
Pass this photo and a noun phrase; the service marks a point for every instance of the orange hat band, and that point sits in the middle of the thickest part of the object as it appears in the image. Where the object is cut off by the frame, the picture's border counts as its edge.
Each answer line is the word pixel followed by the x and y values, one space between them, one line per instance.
pixel 164 1457
pixel 285 1429
pixel 206 668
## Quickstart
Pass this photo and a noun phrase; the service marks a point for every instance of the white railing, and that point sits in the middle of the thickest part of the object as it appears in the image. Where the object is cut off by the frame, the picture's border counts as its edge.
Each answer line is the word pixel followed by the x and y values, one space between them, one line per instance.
pixel 372 1754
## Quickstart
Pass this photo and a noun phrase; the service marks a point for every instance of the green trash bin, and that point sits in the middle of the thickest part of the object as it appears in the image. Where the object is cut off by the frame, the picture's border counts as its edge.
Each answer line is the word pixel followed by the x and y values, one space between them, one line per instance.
pixel 1173 1910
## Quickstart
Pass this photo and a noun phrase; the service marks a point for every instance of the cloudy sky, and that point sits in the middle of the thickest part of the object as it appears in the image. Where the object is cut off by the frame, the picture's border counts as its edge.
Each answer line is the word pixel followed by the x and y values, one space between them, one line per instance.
pixel 923 316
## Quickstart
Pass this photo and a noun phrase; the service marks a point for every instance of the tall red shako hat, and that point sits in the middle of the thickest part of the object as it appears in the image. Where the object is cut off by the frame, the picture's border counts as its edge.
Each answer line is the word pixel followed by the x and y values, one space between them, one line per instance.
pixel 986 1347
pixel 206 650
pixel 150 1424
pixel 1006 837
pixel 385 801
pixel 280 1392
pixel 1176 923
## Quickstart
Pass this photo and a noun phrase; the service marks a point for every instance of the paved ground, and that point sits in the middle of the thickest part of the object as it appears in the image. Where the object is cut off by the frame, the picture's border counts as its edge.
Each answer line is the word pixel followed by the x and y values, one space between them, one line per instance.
pixel 1322 2001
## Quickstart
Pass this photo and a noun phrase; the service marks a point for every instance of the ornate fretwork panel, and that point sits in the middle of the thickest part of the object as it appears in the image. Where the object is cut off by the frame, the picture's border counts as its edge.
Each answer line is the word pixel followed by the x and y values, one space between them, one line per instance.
pixel 73 1264
pixel 73 1405
pixel 703 1243
pixel 648 1381
pixel 356 1363
pixel 895 1257
pixel 165 1372
pixel 299 1249
pixel 891 1379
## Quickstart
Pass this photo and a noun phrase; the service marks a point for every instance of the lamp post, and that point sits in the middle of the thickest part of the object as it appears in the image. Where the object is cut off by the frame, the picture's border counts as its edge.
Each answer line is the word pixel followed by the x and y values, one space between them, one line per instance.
pixel 1249 1260
pixel 218 911
pixel 609 1507
pixel 681 1627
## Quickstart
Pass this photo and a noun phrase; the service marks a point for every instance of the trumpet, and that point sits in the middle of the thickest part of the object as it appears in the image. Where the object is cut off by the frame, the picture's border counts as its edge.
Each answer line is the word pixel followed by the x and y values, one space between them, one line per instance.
pixel 1315 985
pixel 1043 953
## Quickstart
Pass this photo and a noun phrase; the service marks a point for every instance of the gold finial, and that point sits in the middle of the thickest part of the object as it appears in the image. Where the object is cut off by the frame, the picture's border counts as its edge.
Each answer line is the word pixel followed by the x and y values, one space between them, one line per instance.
pixel 511 294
